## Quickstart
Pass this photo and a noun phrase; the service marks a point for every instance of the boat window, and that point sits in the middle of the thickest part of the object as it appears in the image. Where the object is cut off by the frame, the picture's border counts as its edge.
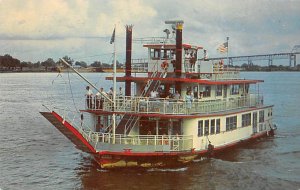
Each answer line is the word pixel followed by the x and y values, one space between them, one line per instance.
pixel 261 116
pixel 234 89
pixel 207 90
pixel 155 53
pixel 246 119
pixel 166 53
pixel 219 90
pixel 206 127
pixel 231 123
pixel 247 88
pixel 218 124
pixel 212 126
pixel 200 128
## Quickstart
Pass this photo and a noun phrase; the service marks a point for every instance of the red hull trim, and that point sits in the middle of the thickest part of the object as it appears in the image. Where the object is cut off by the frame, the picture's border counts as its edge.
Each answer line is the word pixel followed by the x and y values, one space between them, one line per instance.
pixel 74 131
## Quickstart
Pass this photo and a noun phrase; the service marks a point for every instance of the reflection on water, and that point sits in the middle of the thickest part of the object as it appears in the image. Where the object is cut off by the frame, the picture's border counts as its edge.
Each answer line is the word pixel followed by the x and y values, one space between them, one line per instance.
pixel 34 155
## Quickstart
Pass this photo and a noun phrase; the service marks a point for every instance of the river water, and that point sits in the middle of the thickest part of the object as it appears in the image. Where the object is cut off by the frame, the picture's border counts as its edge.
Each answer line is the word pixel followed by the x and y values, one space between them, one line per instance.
pixel 34 155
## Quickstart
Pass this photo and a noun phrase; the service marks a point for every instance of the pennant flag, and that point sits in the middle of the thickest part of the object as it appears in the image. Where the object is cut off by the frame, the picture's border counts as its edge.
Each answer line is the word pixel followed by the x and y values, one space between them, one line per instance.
pixel 223 48
pixel 112 40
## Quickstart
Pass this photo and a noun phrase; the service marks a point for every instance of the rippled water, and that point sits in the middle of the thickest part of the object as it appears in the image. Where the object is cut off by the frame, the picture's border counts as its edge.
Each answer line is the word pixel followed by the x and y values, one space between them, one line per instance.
pixel 34 155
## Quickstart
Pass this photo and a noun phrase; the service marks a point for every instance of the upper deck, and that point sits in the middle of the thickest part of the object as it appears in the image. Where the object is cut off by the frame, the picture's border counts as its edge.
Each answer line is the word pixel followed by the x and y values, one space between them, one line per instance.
pixel 165 107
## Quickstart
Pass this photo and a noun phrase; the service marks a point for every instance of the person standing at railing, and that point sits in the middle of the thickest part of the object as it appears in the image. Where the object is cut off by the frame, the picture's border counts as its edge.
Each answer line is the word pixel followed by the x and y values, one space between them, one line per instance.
pixel 120 93
pixel 89 97
pixel 120 96
pixel 177 96
pixel 110 92
pixel 189 100
pixel 99 99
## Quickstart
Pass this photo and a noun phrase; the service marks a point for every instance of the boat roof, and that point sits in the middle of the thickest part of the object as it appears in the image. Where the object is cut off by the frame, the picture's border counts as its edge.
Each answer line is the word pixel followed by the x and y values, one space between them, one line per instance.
pixel 171 46
pixel 186 80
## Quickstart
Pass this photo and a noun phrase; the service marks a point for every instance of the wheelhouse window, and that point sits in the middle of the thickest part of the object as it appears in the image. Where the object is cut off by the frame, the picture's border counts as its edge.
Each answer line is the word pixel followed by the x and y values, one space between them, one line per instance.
pixel 234 89
pixel 218 126
pixel 246 119
pixel 200 128
pixel 155 53
pixel 261 116
pixel 166 53
pixel 219 90
pixel 207 90
pixel 231 123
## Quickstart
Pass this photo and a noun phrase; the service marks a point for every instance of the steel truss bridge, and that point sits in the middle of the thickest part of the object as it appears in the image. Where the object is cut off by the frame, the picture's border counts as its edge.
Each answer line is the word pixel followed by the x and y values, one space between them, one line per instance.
pixel 269 57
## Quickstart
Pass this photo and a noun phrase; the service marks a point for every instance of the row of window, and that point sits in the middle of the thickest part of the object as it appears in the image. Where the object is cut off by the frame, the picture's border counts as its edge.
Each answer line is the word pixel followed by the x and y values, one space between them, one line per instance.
pixel 206 127
pixel 219 90
pixel 213 126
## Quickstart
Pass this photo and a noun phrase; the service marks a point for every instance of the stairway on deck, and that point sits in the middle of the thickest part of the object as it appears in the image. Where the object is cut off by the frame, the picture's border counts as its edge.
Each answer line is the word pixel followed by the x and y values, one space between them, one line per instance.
pixel 69 131
pixel 151 85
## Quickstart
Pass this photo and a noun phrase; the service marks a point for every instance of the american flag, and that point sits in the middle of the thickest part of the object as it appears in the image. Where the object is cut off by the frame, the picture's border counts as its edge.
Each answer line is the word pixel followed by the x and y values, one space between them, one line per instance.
pixel 223 48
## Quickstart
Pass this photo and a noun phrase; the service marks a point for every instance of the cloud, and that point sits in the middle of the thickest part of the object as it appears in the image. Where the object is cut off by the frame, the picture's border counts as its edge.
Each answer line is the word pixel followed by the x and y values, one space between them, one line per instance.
pixel 51 28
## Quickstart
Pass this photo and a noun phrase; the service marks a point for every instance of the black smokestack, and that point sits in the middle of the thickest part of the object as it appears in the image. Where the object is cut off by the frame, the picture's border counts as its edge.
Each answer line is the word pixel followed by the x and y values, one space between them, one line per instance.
pixel 128 59
pixel 178 65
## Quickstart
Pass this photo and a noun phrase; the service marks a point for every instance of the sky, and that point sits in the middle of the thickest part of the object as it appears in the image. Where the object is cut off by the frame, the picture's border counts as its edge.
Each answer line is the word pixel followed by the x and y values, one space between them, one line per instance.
pixel 35 30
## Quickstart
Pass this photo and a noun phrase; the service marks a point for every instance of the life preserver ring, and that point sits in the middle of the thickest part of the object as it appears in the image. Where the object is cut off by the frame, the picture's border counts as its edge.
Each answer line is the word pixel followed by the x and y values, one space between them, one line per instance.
pixel 164 65
pixel 222 62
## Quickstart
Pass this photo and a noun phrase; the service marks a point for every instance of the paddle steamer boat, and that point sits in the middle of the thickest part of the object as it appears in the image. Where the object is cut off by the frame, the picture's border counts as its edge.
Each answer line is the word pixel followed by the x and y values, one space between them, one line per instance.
pixel 183 107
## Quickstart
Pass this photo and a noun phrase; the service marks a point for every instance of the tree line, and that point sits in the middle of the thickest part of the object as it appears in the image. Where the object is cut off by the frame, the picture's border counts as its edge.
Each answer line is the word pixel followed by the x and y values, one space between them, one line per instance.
pixel 7 61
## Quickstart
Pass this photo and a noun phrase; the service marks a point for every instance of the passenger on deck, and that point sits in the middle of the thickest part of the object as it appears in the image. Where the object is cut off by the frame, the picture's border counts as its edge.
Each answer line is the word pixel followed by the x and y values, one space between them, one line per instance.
pixel 205 56
pixel 99 99
pixel 187 55
pixel 110 92
pixel 176 95
pixel 120 93
pixel 153 94
pixel 89 97
pixel 189 100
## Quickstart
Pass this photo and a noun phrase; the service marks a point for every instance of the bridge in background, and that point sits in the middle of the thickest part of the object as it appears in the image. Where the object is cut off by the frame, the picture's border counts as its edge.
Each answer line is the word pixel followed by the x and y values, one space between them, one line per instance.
pixel 269 57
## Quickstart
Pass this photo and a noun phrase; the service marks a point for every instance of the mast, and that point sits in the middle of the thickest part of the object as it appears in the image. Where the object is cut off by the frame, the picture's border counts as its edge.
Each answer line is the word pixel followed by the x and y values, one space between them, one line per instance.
pixel 114 86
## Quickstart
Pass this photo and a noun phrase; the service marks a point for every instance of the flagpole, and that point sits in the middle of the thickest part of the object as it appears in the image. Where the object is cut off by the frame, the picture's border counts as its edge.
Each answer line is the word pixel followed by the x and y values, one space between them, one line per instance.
pixel 115 87
pixel 227 51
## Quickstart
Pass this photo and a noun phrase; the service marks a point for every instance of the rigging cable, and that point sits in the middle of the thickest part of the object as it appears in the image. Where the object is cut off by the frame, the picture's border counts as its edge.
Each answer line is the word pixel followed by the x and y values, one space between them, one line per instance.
pixel 72 91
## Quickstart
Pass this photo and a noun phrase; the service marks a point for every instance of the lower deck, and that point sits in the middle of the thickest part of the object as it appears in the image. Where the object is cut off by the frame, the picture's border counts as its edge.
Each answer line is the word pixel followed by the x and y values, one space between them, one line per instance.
pixel 155 134
pixel 178 139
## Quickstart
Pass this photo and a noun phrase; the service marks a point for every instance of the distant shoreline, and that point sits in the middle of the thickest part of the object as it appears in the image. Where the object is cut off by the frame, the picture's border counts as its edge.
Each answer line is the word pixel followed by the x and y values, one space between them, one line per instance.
pixel 110 71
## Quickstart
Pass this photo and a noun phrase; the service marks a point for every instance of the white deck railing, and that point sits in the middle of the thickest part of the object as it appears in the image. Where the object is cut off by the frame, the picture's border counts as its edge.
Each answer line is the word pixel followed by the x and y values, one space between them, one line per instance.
pixel 171 106
pixel 153 142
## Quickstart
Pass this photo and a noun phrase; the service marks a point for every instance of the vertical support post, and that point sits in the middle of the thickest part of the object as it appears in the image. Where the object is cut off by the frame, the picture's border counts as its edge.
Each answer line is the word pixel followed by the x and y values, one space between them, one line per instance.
pixel 157 127
pixel 128 59
pixel 115 88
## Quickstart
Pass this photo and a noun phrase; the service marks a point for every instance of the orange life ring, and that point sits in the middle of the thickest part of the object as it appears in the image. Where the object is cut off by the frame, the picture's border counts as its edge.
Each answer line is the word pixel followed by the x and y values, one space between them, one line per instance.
pixel 164 65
